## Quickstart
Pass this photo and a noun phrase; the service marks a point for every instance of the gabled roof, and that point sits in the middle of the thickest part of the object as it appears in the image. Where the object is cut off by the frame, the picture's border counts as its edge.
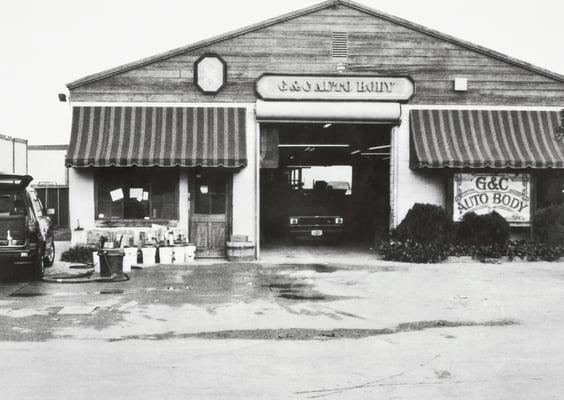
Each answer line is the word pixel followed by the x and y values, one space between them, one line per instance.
pixel 299 13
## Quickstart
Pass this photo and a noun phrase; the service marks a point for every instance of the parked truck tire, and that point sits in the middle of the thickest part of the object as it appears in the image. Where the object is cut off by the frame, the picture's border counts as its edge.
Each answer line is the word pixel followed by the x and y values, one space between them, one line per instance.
pixel 49 254
pixel 38 268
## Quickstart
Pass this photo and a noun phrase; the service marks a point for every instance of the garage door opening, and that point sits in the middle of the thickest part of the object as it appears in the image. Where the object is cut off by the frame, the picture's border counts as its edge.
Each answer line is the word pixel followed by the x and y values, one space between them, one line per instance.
pixel 324 184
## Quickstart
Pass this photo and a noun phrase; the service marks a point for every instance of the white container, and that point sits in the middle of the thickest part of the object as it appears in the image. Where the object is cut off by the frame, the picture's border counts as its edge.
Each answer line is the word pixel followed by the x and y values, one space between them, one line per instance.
pixel 178 253
pixel 166 255
pixel 148 255
pixel 190 252
pixel 129 258
pixel 96 261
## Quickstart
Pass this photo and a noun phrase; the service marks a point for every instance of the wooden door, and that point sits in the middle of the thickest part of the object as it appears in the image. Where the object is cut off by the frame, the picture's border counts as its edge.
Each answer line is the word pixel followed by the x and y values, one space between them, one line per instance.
pixel 210 216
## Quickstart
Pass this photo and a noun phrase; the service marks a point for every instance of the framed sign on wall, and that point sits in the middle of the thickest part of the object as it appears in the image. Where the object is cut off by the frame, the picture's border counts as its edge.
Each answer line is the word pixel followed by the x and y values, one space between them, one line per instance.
pixel 210 73
pixel 507 194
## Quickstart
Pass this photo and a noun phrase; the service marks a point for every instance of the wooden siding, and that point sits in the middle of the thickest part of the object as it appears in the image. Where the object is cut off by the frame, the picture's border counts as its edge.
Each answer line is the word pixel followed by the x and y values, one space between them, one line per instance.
pixel 303 45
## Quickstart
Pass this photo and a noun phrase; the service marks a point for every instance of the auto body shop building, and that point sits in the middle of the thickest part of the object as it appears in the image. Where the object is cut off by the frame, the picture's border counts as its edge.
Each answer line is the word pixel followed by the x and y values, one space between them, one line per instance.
pixel 209 138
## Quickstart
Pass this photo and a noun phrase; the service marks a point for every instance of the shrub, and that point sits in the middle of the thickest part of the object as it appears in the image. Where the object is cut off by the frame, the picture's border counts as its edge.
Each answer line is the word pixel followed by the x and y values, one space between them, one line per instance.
pixel 424 223
pixel 483 230
pixel 548 225
pixel 413 252
pixel 534 251
pixel 79 254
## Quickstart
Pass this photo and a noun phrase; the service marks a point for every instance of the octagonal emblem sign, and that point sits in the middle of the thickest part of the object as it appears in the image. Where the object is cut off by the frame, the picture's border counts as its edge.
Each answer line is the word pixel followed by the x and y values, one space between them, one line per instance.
pixel 210 73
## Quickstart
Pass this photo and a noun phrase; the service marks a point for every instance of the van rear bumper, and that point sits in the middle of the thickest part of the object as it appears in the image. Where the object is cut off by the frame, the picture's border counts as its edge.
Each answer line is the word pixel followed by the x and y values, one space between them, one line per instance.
pixel 18 255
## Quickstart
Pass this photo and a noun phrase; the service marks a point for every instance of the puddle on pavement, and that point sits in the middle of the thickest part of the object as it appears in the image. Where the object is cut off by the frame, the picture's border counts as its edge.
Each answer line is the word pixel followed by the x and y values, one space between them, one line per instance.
pixel 282 284
pixel 171 286
pixel 224 283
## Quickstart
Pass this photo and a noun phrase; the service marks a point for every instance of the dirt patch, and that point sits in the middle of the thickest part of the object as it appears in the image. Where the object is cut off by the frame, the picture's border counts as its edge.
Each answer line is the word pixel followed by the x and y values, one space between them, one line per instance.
pixel 286 294
pixel 20 293
pixel 42 327
pixel 315 334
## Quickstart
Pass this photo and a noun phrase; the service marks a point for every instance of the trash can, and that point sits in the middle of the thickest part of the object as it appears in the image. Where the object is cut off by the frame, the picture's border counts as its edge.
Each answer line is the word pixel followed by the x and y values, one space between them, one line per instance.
pixel 111 262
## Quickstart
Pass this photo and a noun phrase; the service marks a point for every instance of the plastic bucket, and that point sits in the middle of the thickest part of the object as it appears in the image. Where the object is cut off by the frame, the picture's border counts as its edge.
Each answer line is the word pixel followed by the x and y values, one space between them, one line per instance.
pixel 189 253
pixel 179 254
pixel 129 259
pixel 96 261
pixel 148 255
pixel 111 262
pixel 166 255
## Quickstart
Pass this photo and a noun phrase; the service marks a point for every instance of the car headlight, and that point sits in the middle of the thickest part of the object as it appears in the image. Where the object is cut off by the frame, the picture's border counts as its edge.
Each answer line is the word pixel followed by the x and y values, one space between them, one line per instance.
pixel 339 221
pixel 293 221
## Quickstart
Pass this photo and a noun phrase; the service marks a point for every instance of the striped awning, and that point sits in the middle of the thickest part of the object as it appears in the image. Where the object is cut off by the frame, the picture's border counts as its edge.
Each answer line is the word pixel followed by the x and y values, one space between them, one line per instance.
pixel 485 138
pixel 157 136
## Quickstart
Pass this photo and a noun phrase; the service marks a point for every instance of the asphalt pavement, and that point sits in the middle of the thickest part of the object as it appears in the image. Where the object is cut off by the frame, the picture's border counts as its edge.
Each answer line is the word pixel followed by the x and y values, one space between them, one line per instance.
pixel 288 329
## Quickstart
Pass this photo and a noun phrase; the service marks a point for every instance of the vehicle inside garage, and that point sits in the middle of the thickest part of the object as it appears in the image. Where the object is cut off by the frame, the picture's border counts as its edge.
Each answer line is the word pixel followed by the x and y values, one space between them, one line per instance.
pixel 324 183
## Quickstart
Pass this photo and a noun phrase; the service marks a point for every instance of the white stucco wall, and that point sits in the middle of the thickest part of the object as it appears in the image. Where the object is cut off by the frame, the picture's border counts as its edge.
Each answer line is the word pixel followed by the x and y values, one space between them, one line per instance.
pixel 410 186
pixel 81 202
pixel 245 186
pixel 183 202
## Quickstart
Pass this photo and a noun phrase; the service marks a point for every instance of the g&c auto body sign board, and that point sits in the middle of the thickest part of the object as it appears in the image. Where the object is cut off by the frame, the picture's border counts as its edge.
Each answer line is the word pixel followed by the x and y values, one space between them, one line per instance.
pixel 507 194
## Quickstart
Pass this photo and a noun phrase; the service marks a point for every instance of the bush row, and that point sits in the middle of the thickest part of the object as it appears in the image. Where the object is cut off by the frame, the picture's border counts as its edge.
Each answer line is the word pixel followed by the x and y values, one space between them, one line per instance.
pixel 436 252
pixel 428 235
pixel 79 254
pixel 429 223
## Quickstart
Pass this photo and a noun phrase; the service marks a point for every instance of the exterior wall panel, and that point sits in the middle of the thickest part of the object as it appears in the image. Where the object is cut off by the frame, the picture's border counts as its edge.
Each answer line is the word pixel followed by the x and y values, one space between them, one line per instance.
pixel 303 45
pixel 81 202
pixel 245 186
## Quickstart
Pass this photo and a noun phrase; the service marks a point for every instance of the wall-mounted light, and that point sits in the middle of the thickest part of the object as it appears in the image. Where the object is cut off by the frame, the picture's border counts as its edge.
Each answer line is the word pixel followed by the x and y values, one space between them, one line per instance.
pixel 62 97
pixel 460 84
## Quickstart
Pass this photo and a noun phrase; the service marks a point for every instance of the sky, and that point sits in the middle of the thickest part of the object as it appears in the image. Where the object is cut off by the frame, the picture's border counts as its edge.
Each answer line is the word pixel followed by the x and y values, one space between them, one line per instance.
pixel 46 44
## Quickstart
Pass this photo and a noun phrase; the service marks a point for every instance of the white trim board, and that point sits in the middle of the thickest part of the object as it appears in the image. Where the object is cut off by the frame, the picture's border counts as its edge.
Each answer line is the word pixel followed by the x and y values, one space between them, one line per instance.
pixel 157 104
pixel 480 107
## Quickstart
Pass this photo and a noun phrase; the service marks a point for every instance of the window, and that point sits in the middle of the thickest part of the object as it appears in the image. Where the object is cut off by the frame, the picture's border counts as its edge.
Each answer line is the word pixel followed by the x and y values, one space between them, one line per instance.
pixel 136 193
pixel 12 203
pixel 550 189
pixel 210 196
pixel 337 177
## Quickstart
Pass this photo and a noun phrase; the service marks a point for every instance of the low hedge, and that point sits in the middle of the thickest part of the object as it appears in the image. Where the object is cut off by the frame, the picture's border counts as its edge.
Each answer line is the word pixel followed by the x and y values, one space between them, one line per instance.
pixel 435 252
pixel 427 235
pixel 421 253
pixel 534 251
pixel 79 254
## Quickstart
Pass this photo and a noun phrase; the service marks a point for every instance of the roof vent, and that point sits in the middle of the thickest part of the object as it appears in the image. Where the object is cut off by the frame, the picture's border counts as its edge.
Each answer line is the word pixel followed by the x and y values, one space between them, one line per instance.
pixel 340 44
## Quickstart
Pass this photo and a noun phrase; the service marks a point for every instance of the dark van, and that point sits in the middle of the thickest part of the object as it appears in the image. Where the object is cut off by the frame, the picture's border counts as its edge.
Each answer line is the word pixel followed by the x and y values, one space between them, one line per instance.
pixel 26 231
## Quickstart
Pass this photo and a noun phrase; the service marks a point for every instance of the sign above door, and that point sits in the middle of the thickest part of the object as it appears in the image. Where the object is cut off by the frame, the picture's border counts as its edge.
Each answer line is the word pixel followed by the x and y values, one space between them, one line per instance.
pixel 338 87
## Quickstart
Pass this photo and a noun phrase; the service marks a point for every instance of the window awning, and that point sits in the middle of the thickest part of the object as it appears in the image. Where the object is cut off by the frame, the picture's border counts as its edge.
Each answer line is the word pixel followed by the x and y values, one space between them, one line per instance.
pixel 485 138
pixel 157 136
